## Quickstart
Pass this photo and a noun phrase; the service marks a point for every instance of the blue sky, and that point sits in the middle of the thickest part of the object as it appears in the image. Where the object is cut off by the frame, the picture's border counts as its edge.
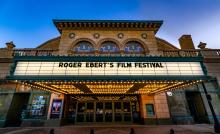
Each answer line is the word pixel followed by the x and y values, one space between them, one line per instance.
pixel 28 23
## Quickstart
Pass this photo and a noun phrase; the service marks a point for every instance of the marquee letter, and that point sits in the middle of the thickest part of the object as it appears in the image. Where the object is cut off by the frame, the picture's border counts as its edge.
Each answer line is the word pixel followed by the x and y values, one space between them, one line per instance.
pixel 61 64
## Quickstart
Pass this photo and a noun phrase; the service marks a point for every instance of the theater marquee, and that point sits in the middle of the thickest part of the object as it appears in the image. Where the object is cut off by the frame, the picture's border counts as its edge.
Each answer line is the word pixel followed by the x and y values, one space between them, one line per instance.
pixel 107 68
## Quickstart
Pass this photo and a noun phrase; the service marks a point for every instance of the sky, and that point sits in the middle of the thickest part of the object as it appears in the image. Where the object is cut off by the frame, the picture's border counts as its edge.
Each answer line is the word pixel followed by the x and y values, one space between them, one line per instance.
pixel 28 23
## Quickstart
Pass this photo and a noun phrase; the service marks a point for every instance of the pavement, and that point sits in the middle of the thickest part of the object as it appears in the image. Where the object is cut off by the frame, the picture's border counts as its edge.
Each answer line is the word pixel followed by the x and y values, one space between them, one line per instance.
pixel 113 129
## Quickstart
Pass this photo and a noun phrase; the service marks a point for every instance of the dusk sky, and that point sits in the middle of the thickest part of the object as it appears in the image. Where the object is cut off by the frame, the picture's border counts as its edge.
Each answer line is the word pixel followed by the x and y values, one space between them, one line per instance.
pixel 28 23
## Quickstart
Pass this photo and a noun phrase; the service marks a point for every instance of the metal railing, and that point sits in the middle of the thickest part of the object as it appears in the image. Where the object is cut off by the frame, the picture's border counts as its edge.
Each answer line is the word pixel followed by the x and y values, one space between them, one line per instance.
pixel 35 52
pixel 191 53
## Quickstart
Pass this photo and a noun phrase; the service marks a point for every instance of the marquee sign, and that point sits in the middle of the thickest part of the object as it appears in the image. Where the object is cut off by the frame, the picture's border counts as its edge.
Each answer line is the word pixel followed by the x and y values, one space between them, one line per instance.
pixel 44 68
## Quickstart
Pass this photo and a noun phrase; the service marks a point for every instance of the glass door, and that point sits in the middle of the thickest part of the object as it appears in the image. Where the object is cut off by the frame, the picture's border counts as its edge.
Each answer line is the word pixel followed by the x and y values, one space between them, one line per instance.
pixel 108 111
pixel 90 112
pixel 127 111
pixel 135 112
pixel 99 112
pixel 71 112
pixel 118 111
pixel 80 112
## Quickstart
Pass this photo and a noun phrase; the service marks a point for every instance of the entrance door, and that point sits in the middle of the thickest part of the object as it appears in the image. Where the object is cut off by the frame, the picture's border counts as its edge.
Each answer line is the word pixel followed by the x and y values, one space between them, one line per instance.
pixel 135 112
pixel 118 111
pixel 80 112
pixel 127 111
pixel 90 112
pixel 196 107
pixel 99 112
pixel 71 112
pixel 18 104
pixel 104 112
pixel 108 112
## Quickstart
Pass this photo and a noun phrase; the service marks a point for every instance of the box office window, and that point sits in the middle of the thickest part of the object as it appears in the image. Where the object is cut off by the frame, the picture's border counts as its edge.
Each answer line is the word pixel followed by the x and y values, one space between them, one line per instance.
pixel 150 109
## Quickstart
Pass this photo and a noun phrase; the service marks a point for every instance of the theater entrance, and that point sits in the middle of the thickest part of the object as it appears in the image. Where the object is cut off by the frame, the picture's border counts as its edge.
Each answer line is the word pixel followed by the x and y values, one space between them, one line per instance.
pixel 102 109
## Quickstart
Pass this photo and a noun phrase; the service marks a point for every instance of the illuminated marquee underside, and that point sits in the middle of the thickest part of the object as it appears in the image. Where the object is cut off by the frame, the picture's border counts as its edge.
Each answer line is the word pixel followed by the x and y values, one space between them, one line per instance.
pixel 108 69
pixel 109 88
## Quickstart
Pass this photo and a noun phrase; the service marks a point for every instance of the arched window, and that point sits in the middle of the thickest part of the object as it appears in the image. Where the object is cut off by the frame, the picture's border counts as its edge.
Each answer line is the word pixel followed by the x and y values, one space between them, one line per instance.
pixel 83 46
pixel 109 46
pixel 134 46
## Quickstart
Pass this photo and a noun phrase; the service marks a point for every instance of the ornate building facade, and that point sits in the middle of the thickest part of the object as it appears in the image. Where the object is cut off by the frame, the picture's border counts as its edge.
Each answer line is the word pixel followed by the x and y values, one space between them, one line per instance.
pixel 108 71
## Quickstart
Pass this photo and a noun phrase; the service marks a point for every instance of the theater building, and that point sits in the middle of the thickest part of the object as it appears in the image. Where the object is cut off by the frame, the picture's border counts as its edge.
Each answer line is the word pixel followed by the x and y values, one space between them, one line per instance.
pixel 108 72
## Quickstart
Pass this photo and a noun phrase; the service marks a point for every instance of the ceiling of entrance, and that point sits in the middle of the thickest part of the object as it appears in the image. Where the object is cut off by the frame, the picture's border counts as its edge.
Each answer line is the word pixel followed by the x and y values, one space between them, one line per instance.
pixel 143 87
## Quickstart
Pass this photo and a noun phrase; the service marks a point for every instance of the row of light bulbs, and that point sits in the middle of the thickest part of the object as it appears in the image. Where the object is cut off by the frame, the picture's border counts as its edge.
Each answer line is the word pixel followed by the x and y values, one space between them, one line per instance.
pixel 41 87
pixel 106 82
pixel 182 86
pixel 100 89
pixel 49 87
pixel 111 86
pixel 168 87
pixel 150 88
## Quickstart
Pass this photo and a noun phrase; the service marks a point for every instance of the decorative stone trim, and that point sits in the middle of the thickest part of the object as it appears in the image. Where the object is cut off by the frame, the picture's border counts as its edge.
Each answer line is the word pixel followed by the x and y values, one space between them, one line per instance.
pixel 144 35
pixel 72 35
pixel 120 35
pixel 108 24
pixel 96 35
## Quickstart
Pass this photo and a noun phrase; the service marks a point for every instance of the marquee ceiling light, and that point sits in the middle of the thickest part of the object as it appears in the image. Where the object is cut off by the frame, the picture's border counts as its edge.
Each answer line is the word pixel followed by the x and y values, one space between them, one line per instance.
pixel 184 85
pixel 111 87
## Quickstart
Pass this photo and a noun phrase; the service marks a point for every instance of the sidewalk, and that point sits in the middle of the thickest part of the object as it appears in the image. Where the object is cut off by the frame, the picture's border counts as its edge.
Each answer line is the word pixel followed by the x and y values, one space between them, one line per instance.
pixel 114 129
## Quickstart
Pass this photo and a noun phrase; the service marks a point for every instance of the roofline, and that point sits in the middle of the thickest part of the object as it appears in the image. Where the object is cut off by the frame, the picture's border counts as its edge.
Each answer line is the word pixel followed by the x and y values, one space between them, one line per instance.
pixel 44 43
pixel 145 25
pixel 168 43
pixel 138 21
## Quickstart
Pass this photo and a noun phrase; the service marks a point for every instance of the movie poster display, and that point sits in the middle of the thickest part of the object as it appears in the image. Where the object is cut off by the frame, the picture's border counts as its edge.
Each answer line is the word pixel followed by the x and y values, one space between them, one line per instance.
pixel 38 107
pixel 56 108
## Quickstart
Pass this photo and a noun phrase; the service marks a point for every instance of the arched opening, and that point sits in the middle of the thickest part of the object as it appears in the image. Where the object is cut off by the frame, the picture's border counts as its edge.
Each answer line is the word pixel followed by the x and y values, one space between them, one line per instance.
pixel 133 47
pixel 109 46
pixel 83 46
